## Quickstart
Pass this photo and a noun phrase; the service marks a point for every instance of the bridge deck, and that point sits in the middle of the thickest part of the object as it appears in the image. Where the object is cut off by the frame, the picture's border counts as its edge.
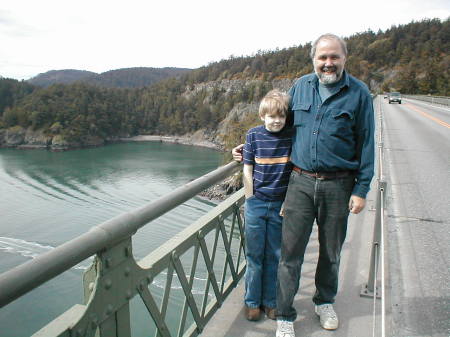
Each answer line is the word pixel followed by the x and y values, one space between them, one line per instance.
pixel 355 312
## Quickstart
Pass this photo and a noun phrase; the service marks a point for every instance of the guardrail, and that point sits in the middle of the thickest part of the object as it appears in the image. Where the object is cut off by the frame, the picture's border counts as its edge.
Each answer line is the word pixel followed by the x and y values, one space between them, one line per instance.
pixel 441 100
pixel 212 249
pixel 371 288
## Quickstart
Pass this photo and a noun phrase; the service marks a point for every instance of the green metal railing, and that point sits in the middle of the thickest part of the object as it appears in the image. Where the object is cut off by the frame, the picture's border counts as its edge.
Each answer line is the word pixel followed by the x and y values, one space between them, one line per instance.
pixel 211 249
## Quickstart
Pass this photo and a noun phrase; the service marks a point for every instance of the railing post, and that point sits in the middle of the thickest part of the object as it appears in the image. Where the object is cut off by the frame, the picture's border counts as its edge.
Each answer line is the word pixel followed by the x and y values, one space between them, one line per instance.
pixel 108 287
pixel 369 289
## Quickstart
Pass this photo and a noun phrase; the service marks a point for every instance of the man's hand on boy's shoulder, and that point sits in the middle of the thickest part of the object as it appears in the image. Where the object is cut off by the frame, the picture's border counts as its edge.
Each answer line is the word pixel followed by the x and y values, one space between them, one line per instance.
pixel 237 152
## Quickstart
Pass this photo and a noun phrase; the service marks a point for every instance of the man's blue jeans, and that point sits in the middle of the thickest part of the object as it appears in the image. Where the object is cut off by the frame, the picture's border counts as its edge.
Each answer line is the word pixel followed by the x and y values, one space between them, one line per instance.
pixel 262 242
pixel 326 202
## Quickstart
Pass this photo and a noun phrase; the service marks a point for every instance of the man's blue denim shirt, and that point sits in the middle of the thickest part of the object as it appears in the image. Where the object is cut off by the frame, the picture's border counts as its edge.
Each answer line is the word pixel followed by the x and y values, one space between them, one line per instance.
pixel 337 134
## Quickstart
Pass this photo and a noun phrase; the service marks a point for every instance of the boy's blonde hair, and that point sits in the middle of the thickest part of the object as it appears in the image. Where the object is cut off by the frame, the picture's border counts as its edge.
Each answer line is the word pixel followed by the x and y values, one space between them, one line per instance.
pixel 275 102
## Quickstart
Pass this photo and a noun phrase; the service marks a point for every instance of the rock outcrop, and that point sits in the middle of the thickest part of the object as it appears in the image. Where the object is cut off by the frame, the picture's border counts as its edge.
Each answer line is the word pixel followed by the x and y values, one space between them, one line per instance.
pixel 21 138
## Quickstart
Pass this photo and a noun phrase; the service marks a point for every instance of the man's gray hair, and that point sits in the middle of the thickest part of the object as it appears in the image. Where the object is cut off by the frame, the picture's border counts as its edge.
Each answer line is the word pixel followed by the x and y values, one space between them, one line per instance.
pixel 328 36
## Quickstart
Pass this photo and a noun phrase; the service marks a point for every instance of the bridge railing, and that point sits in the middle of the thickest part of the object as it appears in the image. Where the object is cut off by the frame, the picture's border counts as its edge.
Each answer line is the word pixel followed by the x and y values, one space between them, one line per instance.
pixel 209 252
pixel 441 100
pixel 375 286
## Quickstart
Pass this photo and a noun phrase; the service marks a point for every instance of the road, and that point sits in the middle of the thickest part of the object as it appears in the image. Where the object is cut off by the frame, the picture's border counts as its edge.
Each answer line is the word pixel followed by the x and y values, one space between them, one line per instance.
pixel 416 140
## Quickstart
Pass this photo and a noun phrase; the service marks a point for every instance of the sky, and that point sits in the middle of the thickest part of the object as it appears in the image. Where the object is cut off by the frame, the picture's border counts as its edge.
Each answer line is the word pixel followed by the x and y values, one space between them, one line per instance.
pixel 102 35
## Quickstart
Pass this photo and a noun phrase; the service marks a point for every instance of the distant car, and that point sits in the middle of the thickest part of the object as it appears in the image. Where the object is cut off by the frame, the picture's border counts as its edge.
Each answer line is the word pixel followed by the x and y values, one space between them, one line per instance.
pixel 385 95
pixel 395 97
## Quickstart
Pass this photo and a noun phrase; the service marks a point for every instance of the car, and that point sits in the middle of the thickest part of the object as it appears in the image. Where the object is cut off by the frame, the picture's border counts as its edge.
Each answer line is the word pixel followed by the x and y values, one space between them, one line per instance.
pixel 395 97
pixel 385 95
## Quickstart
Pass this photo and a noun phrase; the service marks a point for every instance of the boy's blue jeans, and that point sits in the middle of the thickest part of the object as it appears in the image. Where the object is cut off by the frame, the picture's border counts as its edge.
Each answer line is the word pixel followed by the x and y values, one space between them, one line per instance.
pixel 262 241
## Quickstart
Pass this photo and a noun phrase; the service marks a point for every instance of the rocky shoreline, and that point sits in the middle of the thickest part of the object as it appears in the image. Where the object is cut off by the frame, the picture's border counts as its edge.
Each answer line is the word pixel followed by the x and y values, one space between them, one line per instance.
pixel 224 189
pixel 21 138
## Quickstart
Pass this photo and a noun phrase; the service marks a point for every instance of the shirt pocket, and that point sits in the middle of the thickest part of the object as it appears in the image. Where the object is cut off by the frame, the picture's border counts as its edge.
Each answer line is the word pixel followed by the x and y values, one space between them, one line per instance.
pixel 300 110
pixel 340 123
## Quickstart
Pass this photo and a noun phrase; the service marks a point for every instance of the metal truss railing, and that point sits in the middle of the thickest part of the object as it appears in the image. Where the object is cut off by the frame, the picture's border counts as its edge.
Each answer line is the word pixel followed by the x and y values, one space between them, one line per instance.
pixel 208 255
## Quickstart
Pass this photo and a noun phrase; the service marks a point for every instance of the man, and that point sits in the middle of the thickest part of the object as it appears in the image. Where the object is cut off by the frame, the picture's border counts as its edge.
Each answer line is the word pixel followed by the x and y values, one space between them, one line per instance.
pixel 333 158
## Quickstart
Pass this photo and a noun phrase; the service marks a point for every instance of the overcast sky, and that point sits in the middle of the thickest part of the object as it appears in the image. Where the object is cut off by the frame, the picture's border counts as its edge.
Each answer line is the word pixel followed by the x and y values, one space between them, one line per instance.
pixel 100 35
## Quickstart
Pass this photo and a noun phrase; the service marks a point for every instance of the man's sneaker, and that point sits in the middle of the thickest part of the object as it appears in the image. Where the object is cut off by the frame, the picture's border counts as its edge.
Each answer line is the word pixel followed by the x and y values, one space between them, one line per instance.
pixel 328 317
pixel 285 329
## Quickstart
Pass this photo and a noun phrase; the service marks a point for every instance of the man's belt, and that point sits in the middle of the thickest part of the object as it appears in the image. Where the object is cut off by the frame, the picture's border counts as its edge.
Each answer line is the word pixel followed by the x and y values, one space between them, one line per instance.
pixel 324 175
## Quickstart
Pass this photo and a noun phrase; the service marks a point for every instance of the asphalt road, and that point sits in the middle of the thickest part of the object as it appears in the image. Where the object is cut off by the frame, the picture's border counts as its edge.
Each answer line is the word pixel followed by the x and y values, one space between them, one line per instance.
pixel 416 139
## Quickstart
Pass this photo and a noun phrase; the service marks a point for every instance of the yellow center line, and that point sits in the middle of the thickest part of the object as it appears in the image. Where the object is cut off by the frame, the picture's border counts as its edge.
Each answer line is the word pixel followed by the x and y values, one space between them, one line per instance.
pixel 437 120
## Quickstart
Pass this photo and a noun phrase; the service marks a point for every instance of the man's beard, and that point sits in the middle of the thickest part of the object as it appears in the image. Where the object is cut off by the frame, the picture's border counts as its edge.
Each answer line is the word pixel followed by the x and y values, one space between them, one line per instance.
pixel 328 78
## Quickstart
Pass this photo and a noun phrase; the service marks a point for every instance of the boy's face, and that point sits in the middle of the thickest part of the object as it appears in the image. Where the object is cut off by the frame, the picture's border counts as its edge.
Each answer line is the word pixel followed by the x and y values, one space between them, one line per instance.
pixel 274 122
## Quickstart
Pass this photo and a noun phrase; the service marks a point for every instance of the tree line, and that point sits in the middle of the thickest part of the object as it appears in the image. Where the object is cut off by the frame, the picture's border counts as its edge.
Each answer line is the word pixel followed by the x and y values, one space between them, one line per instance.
pixel 412 59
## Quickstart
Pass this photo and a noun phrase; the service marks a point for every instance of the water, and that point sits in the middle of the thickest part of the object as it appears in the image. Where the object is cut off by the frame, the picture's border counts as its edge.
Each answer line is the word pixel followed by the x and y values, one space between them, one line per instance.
pixel 48 198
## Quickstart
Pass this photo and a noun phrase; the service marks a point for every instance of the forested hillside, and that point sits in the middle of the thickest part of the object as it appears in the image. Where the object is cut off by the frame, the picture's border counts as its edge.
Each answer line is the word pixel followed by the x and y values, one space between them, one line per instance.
pixel 119 78
pixel 11 91
pixel 66 76
pixel 411 58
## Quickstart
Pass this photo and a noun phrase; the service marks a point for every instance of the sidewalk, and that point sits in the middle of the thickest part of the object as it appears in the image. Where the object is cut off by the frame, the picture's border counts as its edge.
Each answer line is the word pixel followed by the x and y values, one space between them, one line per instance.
pixel 355 313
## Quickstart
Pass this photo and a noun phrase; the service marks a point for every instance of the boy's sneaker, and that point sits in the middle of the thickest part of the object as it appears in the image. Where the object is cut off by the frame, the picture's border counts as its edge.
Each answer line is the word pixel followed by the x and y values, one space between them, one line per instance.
pixel 285 329
pixel 270 312
pixel 252 314
pixel 328 317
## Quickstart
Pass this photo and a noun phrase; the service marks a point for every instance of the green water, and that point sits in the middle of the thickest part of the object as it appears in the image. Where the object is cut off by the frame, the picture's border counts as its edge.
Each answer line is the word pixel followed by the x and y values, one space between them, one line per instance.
pixel 48 198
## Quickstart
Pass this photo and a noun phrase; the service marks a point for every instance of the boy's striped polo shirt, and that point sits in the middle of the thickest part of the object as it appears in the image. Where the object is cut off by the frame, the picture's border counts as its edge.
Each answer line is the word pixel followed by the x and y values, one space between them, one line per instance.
pixel 269 153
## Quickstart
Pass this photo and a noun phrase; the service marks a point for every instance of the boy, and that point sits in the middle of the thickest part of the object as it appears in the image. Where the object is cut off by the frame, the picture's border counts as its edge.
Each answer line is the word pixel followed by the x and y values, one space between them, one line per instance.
pixel 266 175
